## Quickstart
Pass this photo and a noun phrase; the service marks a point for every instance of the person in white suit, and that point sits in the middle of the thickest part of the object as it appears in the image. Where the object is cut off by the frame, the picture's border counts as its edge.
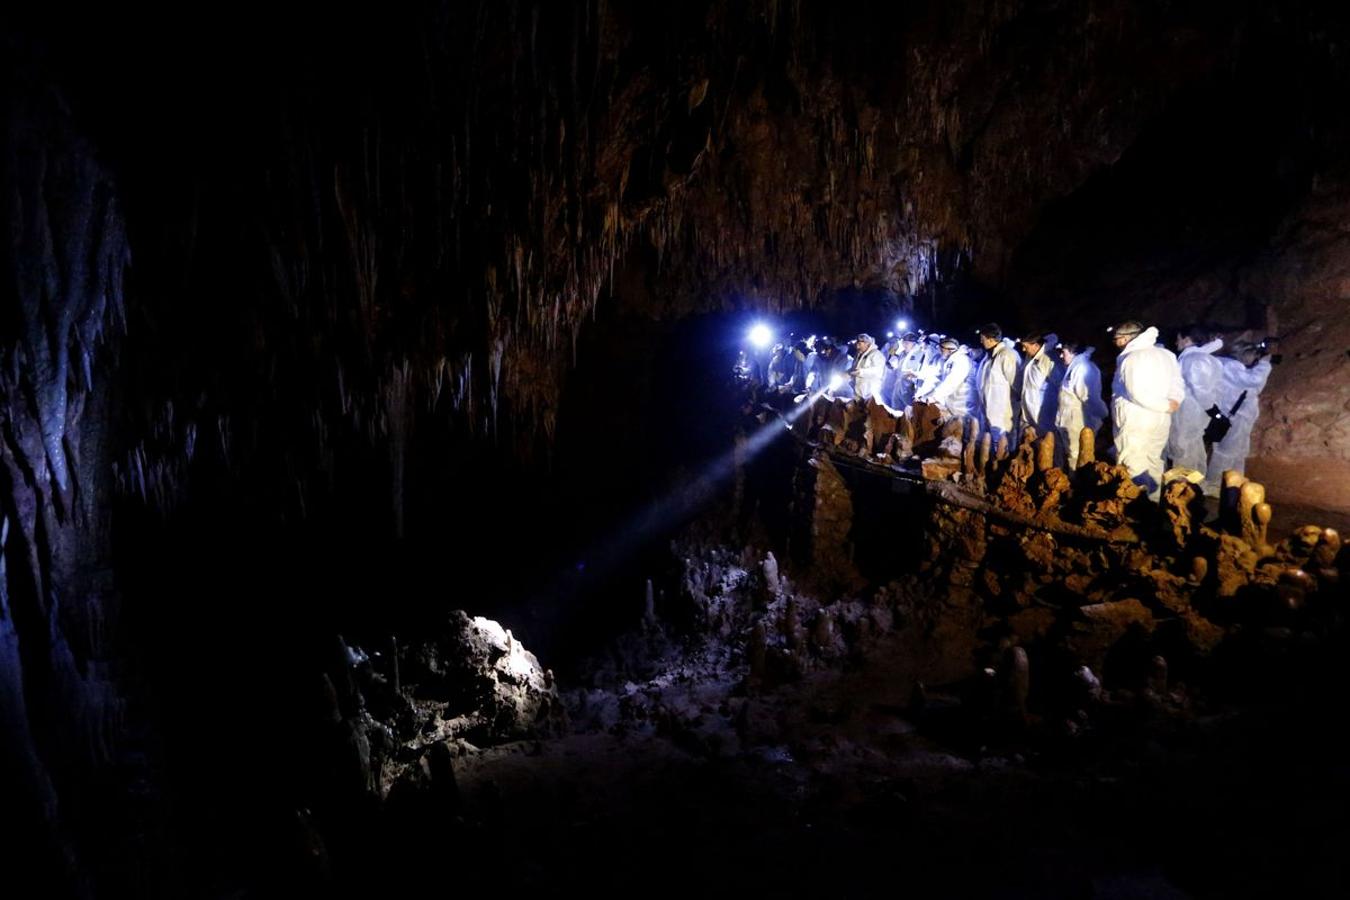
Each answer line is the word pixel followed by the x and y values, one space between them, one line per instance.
pixel 868 369
pixel 1040 379
pixel 1243 379
pixel 998 372
pixel 1201 373
pixel 953 391
pixel 1146 391
pixel 1080 399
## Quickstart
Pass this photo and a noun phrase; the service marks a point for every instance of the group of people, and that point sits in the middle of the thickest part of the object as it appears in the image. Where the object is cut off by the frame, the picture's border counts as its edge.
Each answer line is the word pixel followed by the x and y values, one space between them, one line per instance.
pixel 1164 405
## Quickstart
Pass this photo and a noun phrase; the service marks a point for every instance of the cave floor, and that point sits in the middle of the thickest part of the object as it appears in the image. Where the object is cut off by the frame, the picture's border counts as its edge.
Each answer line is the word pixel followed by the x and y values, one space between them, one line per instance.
pixel 828 786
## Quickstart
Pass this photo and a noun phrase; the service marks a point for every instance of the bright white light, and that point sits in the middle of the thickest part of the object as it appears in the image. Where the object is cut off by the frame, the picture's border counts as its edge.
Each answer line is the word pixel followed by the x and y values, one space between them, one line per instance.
pixel 901 325
pixel 837 381
pixel 761 336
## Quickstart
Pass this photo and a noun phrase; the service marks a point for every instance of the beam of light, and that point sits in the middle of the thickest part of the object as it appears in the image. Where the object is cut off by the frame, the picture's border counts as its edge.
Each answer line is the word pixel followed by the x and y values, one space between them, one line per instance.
pixel 683 501
pixel 761 335
pixel 901 325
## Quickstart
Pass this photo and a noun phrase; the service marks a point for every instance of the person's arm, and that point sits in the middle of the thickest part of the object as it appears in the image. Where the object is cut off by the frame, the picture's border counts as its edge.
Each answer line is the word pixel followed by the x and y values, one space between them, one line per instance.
pixel 1250 378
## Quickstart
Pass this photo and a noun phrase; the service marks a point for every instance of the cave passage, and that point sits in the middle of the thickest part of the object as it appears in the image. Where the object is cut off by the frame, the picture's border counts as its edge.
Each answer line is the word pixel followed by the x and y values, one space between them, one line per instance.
pixel 392 498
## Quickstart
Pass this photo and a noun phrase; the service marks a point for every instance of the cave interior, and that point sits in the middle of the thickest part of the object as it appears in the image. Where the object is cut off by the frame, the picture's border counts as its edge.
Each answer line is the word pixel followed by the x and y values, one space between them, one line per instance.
pixel 380 513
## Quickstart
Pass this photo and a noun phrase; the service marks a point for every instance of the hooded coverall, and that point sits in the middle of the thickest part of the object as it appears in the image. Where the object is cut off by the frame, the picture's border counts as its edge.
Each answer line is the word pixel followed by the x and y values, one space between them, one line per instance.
pixel 867 373
pixel 1231 452
pixel 954 391
pixel 1201 372
pixel 998 371
pixel 1041 377
pixel 1148 378
pixel 1080 403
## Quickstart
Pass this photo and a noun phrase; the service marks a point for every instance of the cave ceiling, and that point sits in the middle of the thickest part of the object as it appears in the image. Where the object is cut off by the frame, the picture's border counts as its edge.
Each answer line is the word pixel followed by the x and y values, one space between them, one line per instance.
pixel 355 221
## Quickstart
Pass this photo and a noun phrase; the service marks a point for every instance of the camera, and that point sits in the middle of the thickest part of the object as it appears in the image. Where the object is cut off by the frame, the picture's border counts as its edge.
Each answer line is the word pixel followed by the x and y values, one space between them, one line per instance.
pixel 1219 425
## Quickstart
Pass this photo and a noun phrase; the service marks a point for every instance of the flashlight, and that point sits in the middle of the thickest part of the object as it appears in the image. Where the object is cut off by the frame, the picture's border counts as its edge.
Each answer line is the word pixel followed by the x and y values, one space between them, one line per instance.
pixel 836 381
pixel 902 325
pixel 761 336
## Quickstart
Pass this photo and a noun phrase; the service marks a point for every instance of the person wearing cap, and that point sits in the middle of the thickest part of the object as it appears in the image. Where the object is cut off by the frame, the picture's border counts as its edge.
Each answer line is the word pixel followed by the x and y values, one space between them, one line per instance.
pixel 780 365
pixel 891 352
pixel 911 361
pixel 831 367
pixel 1146 391
pixel 868 370
pixel 930 364
pixel 998 372
pixel 1244 376
pixel 1080 399
pixel 1040 378
pixel 803 359
pixel 953 391
pixel 1201 373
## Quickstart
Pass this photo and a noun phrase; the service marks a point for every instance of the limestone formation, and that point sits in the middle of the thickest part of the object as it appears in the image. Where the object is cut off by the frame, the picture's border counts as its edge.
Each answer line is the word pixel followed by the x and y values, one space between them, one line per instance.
pixel 1261 514
pixel 1087 447
pixel 1045 452
pixel 770 569
pixel 1249 495
pixel 1199 569
pixel 1183 507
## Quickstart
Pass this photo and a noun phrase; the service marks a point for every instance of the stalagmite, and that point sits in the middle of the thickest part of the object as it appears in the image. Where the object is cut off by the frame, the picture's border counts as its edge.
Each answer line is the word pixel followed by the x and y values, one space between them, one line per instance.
pixel 968 447
pixel 1001 452
pixel 1045 452
pixel 1199 569
pixel 1249 495
pixel 1087 447
pixel 770 568
pixel 1262 513
pixel 1324 557
pixel 1328 548
pixel 985 452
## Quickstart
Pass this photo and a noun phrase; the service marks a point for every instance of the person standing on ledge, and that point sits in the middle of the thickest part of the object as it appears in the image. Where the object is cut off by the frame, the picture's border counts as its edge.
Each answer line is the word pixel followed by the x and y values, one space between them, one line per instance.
pixel 952 392
pixel 1040 377
pixel 869 368
pixel 1146 391
pixel 1244 376
pixel 998 371
pixel 1201 373
pixel 1080 399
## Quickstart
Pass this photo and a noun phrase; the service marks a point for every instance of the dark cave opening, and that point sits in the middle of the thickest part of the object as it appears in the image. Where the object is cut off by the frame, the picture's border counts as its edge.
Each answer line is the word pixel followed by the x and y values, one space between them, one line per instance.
pixel 436 310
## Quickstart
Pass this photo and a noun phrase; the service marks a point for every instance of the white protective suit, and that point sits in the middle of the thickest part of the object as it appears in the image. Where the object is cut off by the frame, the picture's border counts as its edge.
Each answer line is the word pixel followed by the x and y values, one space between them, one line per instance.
pixel 954 391
pixel 1080 404
pixel 1231 452
pixel 998 372
pixel 1148 378
pixel 1201 373
pixel 930 369
pixel 910 364
pixel 1041 377
pixel 868 371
